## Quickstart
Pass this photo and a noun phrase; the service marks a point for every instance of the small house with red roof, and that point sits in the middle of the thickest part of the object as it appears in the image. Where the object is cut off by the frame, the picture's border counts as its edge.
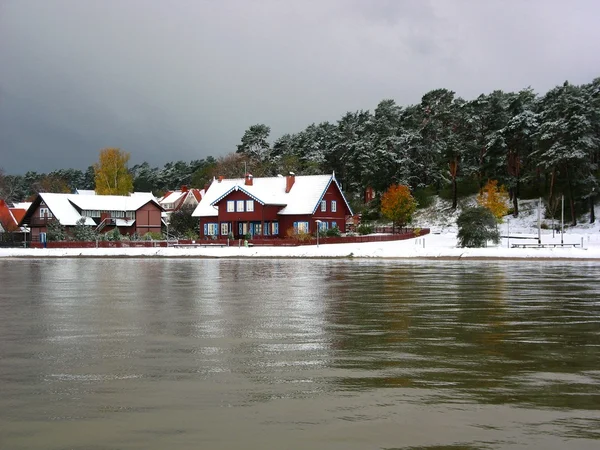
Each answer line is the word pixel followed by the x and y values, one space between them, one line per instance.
pixel 175 200
pixel 10 218
pixel 272 206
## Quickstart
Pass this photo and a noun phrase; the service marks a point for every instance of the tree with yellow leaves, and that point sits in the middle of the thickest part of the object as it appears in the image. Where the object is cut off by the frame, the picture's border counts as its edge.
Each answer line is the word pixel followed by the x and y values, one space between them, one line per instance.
pixel 494 198
pixel 111 174
pixel 398 204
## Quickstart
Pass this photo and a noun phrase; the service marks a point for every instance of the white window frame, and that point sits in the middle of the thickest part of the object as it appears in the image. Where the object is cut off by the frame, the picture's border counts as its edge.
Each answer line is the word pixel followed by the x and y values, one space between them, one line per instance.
pixel 230 205
pixel 301 227
pixel 333 205
pixel 256 228
pixel 323 205
pixel 250 205
pixel 213 229
pixel 45 212
pixel 224 228
pixel 239 205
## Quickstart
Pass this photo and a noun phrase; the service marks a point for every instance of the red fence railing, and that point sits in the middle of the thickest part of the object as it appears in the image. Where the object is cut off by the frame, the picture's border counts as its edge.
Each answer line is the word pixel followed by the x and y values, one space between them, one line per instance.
pixel 275 242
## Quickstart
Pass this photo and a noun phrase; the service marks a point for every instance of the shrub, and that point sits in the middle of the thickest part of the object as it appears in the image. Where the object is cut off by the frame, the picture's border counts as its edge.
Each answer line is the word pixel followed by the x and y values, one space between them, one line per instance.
pixel 424 196
pixel 83 232
pixel 150 236
pixel 364 229
pixel 477 226
pixel 333 232
pixel 55 231
pixel 192 235
pixel 303 236
pixel 113 235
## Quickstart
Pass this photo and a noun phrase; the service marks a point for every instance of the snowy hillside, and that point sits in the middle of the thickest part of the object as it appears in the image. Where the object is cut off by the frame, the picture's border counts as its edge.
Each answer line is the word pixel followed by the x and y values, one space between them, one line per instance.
pixel 441 218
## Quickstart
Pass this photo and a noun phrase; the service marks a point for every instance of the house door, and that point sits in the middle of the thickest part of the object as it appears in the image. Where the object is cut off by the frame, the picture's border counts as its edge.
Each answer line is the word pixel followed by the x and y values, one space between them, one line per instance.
pixel 242 228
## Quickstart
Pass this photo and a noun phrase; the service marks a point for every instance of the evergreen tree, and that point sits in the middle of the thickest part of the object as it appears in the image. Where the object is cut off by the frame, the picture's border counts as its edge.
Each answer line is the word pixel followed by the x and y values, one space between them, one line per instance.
pixel 476 227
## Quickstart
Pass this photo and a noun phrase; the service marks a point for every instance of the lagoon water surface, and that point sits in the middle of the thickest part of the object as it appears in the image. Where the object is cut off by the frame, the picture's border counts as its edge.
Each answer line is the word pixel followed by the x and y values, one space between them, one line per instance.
pixel 295 354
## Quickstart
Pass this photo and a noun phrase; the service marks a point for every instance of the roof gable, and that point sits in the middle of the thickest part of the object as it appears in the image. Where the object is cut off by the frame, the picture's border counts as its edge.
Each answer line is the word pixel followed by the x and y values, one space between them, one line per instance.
pixel 240 189
pixel 336 184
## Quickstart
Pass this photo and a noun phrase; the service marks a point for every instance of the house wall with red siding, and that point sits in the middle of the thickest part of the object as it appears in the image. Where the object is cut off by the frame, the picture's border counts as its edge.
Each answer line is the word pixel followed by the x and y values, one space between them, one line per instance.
pixel 260 213
pixel 147 219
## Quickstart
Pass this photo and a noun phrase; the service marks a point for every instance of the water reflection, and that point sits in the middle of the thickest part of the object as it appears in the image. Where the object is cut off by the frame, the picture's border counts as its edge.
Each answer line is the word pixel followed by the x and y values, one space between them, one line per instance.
pixel 151 353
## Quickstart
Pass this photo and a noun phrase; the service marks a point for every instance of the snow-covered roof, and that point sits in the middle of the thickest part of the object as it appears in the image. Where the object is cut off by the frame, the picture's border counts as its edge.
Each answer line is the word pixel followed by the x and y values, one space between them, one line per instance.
pixel 179 198
pixel 85 192
pixel 124 222
pixel 63 209
pixel 22 205
pixel 303 198
pixel 64 206
pixel 171 197
pixel 111 202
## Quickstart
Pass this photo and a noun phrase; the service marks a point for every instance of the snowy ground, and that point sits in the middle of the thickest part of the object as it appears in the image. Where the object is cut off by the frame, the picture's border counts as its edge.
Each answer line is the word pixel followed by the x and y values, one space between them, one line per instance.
pixel 441 243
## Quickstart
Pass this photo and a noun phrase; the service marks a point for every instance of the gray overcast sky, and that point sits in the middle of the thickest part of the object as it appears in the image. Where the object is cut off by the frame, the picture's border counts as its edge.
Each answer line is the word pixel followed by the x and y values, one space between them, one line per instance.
pixel 169 80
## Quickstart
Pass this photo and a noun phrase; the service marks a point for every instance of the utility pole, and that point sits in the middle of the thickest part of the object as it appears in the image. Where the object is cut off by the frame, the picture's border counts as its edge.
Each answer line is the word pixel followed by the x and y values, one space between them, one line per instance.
pixel 540 221
pixel 562 219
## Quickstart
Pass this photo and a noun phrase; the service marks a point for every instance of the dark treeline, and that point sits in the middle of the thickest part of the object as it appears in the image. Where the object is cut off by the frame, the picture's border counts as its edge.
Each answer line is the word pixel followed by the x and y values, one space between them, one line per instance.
pixel 537 146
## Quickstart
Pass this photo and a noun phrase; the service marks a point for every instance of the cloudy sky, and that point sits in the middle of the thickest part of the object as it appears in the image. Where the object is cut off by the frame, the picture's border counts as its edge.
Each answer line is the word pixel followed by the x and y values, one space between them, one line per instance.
pixel 182 79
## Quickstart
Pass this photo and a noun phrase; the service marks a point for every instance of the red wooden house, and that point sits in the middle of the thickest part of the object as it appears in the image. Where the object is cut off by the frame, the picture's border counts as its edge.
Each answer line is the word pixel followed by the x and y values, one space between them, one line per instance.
pixel 272 206
pixel 136 213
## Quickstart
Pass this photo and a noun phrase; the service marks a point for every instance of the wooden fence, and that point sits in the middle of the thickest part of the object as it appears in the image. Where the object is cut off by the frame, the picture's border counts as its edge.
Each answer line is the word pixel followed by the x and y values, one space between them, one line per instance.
pixel 262 241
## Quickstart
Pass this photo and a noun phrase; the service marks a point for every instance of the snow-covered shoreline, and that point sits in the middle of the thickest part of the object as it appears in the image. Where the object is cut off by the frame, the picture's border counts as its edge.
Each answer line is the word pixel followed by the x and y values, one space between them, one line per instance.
pixel 433 246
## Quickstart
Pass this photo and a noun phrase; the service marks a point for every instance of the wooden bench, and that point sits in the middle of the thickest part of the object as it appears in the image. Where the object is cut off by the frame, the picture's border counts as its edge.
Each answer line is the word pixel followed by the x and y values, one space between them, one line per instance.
pixel 543 245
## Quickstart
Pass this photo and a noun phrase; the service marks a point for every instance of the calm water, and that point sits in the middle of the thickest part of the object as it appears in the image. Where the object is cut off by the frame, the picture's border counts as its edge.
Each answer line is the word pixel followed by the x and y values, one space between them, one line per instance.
pixel 298 354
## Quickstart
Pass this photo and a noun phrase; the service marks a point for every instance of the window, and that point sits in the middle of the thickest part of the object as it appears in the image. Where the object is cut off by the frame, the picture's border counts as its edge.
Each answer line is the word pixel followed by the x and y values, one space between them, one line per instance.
pixel 275 228
pixel 333 224
pixel 301 227
pixel 333 206
pixel 249 205
pixel 224 228
pixel 323 205
pixel 239 207
pixel 211 229
pixel 322 226
pixel 256 228
pixel 45 212
pixel 230 206
pixel 130 214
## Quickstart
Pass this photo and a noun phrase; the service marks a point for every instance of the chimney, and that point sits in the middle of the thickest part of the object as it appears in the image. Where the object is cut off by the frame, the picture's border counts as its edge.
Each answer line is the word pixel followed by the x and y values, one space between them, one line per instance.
pixel 184 188
pixel 248 181
pixel 220 178
pixel 289 181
